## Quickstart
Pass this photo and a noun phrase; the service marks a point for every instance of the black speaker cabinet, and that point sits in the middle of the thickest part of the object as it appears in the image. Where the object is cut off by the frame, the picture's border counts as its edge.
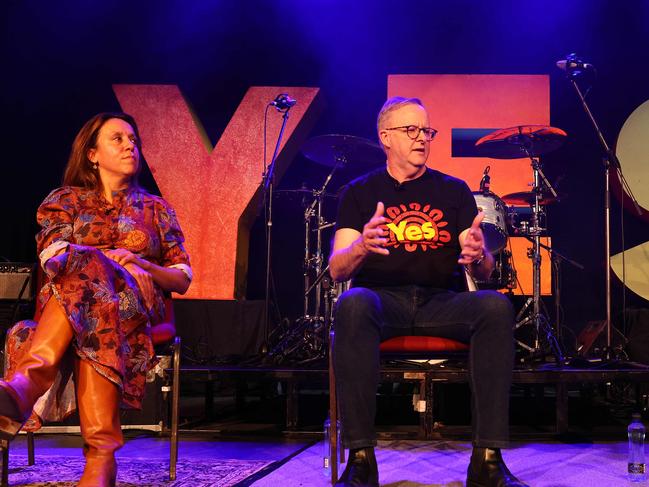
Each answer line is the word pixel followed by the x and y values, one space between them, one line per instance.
pixel 16 293
pixel 16 281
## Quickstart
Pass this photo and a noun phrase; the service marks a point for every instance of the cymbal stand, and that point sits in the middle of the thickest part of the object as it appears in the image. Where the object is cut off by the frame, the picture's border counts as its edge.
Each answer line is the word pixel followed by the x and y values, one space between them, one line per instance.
pixel 535 317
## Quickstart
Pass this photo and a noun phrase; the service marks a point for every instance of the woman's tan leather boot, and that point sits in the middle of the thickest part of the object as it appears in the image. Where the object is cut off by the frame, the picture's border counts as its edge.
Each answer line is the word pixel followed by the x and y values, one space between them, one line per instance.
pixel 36 371
pixel 98 402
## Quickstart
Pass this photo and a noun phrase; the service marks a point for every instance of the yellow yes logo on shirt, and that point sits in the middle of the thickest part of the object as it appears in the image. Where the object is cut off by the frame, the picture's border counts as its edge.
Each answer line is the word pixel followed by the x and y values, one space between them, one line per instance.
pixel 404 232
pixel 416 226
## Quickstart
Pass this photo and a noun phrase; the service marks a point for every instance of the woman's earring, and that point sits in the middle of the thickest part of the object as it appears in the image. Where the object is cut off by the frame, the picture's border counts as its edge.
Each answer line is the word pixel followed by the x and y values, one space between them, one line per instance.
pixel 95 165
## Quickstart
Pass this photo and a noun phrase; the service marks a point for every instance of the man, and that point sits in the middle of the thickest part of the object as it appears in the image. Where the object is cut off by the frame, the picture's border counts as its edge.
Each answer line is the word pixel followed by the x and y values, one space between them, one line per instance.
pixel 401 232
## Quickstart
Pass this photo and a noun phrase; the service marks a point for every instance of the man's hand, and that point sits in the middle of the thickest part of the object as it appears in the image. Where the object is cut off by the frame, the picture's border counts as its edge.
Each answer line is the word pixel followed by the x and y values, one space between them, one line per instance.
pixel 144 281
pixel 473 244
pixel 373 237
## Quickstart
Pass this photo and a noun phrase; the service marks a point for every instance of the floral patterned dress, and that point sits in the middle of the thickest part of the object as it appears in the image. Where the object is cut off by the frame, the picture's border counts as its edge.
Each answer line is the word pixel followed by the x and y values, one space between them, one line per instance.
pixel 103 302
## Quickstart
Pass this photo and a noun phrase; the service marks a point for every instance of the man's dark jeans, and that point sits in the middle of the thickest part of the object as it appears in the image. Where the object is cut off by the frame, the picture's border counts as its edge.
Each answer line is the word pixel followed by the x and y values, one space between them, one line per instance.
pixel 365 317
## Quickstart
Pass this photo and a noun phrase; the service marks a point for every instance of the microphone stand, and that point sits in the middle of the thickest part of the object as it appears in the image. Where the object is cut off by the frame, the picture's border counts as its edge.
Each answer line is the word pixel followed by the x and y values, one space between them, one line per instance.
pixel 268 182
pixel 609 159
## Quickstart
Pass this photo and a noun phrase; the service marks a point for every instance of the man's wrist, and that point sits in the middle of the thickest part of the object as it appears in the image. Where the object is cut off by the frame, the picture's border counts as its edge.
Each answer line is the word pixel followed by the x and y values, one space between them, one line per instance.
pixel 359 248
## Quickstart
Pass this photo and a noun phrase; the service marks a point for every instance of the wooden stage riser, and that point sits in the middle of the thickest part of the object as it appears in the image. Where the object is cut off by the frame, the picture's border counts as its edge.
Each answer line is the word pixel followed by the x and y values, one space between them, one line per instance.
pixel 427 379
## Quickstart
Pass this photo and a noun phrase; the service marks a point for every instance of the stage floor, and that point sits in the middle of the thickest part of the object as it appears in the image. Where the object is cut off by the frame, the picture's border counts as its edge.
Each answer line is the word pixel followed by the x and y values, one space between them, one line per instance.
pixel 272 462
pixel 243 439
pixel 444 463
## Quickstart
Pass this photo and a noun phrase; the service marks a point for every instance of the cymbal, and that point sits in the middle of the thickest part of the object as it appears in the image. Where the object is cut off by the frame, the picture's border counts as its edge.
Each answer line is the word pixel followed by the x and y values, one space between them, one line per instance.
pixel 348 150
pixel 521 141
pixel 527 198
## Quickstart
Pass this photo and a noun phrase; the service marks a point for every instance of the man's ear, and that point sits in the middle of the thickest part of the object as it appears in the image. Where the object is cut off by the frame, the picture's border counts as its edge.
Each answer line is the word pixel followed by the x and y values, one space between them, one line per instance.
pixel 384 137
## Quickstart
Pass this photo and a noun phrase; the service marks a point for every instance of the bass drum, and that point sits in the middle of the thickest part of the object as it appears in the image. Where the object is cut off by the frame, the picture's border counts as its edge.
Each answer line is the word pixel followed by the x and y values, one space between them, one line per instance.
pixel 503 276
pixel 494 225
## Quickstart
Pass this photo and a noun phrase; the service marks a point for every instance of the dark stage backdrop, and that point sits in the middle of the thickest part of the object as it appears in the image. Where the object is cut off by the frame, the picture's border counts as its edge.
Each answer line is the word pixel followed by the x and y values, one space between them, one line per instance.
pixel 60 59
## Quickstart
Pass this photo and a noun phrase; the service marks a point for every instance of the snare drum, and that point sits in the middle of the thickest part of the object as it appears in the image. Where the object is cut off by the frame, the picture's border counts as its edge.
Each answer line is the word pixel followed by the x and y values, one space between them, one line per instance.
pixel 494 225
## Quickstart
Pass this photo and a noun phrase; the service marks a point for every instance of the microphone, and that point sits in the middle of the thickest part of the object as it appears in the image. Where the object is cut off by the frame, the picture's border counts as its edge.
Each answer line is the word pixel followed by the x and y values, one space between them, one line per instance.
pixel 573 63
pixel 283 102
pixel 485 182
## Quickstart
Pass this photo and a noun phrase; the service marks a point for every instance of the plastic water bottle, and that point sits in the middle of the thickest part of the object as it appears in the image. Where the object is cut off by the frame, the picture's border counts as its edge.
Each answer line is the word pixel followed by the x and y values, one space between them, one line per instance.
pixel 636 450
pixel 326 449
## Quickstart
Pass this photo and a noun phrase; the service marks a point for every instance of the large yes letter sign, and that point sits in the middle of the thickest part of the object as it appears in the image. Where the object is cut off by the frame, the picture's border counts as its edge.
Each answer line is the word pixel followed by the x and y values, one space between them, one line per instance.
pixel 215 190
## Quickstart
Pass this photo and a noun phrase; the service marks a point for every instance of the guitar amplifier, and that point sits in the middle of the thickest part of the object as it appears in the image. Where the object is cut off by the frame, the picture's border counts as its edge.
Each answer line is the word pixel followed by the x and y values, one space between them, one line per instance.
pixel 16 281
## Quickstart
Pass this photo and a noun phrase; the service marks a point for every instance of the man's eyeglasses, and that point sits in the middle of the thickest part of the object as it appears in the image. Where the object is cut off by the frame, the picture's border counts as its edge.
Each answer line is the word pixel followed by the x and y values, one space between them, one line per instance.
pixel 413 131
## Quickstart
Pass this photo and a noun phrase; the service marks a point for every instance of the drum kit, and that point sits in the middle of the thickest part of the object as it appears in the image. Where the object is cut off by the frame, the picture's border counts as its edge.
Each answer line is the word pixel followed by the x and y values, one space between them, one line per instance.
pixel 521 214
pixel 529 141
pixel 306 340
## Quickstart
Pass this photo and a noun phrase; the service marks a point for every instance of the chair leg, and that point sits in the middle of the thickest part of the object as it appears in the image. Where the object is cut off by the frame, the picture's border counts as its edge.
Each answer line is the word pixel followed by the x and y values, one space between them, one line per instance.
pixel 4 447
pixel 333 412
pixel 30 448
pixel 291 405
pixel 429 418
pixel 175 400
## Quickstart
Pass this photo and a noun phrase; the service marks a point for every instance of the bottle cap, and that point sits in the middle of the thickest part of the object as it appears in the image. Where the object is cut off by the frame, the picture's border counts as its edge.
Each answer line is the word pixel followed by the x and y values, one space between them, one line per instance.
pixel 636 416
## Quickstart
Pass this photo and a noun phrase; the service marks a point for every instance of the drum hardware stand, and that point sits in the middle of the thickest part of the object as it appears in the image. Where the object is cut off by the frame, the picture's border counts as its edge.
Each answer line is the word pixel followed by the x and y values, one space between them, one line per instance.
pixel 315 261
pixel 306 340
pixel 556 259
pixel 609 159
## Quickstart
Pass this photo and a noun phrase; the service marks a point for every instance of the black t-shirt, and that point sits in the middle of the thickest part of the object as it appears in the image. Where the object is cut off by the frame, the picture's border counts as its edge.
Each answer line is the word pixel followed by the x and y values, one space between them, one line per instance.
pixel 424 217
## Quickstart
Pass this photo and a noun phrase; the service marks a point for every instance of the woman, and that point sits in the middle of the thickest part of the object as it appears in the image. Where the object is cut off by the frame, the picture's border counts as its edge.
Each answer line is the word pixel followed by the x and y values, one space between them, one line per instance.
pixel 110 251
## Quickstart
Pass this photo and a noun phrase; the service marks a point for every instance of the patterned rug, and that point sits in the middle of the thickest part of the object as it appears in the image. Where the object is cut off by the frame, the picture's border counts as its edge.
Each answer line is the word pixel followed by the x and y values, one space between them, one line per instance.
pixel 66 471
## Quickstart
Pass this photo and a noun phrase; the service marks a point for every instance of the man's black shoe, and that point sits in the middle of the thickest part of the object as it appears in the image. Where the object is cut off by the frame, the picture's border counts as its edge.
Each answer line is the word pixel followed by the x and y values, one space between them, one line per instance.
pixel 361 469
pixel 487 469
